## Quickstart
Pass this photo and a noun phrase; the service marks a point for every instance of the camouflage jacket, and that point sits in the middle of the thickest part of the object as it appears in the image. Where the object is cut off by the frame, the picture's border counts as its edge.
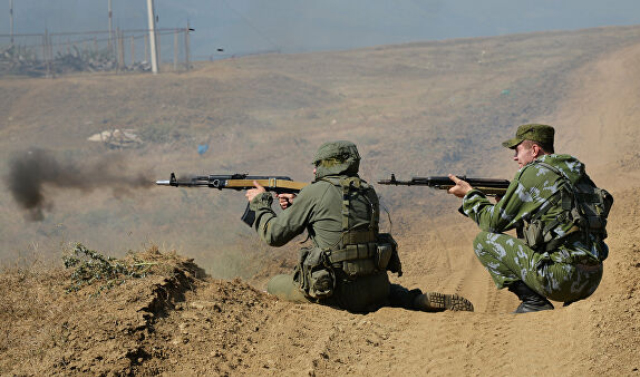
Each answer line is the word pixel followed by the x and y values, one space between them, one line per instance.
pixel 531 187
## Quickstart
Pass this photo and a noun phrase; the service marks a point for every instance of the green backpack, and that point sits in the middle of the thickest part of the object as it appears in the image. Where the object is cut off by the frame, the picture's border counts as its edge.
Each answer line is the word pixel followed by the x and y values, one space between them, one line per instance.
pixel 584 204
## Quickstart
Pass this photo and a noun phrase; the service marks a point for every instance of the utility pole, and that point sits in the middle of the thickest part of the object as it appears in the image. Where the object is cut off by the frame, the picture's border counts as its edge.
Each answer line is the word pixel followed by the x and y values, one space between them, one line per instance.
pixel 152 36
pixel 11 19
pixel 110 26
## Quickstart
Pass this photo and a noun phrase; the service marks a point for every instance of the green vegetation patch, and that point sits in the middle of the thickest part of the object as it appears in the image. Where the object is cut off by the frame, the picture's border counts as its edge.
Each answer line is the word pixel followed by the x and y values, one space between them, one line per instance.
pixel 93 268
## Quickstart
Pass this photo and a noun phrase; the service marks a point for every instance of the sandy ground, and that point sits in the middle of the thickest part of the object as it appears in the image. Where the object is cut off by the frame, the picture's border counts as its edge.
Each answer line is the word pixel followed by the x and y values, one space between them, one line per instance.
pixel 178 324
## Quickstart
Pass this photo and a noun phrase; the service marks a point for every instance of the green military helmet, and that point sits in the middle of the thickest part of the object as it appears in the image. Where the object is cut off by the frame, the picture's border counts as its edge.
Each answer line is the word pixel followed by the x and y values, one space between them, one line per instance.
pixel 540 133
pixel 341 149
pixel 337 158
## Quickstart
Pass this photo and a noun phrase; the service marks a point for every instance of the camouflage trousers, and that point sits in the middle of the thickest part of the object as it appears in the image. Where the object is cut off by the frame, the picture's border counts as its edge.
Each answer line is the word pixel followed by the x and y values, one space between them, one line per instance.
pixel 365 294
pixel 509 259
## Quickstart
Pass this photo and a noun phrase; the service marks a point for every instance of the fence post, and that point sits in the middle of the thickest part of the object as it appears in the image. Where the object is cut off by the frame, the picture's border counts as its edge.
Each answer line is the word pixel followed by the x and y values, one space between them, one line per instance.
pixel 133 51
pixel 47 52
pixel 187 48
pixel 175 50
pixel 146 49
pixel 159 50
pixel 120 35
pixel 44 46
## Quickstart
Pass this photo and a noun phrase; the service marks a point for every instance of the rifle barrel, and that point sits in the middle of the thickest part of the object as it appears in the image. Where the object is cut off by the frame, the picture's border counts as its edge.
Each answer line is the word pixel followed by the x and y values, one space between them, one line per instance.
pixel 489 186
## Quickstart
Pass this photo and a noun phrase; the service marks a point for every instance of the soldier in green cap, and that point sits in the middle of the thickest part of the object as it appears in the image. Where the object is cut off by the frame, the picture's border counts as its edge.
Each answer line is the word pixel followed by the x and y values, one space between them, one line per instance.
pixel 560 216
pixel 347 262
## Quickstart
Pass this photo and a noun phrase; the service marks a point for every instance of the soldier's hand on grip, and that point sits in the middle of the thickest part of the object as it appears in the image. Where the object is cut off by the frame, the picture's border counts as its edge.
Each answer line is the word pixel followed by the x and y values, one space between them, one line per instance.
pixel 461 188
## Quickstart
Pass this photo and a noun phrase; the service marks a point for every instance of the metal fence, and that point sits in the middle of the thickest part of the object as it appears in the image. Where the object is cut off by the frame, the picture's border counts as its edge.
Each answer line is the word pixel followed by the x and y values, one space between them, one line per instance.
pixel 119 51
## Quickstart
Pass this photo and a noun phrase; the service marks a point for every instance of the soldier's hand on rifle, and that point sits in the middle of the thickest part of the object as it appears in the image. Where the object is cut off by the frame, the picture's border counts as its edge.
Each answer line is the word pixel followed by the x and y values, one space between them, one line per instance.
pixel 252 193
pixel 285 200
pixel 461 188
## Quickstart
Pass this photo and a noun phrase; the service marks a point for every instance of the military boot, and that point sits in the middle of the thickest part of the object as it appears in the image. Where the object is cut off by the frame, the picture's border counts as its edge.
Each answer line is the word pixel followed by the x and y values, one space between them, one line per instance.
pixel 438 302
pixel 532 301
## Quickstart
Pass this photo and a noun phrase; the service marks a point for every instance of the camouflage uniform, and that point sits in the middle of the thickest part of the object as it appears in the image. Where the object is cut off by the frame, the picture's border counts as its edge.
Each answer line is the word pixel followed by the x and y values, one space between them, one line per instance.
pixel 568 272
pixel 318 209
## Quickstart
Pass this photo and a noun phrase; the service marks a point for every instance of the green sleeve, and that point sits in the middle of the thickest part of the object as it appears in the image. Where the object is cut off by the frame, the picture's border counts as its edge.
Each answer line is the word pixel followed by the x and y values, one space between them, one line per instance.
pixel 278 229
pixel 517 204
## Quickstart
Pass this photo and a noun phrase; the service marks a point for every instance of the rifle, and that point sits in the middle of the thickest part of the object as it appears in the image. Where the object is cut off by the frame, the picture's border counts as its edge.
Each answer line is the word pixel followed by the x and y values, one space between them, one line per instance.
pixel 277 184
pixel 489 186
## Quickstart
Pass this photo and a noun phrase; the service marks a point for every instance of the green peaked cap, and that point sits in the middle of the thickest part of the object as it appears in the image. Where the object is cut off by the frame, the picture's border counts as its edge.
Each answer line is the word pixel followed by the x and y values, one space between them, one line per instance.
pixel 540 133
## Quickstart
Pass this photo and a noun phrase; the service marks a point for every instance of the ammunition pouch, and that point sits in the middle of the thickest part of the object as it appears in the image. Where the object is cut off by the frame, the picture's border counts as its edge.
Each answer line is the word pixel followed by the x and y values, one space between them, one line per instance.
pixel 540 238
pixel 368 258
pixel 315 276
pixel 356 259
pixel 383 256
pixel 388 257
pixel 534 234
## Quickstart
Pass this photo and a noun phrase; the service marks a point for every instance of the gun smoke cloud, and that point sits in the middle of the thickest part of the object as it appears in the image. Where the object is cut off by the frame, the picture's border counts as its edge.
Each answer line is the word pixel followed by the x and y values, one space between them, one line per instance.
pixel 34 173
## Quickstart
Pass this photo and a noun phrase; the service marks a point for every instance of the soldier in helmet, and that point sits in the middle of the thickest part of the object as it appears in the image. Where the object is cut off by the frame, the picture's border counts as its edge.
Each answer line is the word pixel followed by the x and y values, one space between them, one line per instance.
pixel 561 216
pixel 346 265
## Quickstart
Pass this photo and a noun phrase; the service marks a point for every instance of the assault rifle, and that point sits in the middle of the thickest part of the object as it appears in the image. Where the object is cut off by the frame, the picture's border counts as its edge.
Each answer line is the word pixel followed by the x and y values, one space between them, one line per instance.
pixel 277 184
pixel 489 186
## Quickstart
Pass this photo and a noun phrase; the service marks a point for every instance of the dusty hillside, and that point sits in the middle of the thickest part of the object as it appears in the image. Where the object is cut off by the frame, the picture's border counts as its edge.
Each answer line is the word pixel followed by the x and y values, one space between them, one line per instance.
pixel 607 116
pixel 177 322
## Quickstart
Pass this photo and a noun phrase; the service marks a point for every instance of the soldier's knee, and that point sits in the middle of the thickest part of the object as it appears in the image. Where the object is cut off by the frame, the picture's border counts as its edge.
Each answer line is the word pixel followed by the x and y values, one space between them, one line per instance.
pixel 285 288
pixel 280 284
pixel 478 242
pixel 481 237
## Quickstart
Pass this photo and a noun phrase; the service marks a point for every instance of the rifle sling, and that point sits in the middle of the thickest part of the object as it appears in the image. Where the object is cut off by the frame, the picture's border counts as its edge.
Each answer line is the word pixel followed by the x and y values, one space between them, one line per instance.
pixel 491 190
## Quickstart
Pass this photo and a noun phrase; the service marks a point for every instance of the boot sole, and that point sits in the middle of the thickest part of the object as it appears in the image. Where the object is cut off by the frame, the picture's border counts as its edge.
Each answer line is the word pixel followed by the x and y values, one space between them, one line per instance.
pixel 438 302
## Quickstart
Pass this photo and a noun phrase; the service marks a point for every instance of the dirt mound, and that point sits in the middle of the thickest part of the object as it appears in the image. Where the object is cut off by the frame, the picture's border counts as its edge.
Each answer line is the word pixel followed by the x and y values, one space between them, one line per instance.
pixel 138 325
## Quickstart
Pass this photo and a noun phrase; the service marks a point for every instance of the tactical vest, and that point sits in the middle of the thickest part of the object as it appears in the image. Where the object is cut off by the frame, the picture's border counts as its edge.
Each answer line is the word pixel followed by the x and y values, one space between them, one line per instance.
pixel 584 205
pixel 360 251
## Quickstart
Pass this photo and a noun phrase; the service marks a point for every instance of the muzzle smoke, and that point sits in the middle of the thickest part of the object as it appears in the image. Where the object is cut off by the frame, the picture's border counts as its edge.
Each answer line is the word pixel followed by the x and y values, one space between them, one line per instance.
pixel 33 173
